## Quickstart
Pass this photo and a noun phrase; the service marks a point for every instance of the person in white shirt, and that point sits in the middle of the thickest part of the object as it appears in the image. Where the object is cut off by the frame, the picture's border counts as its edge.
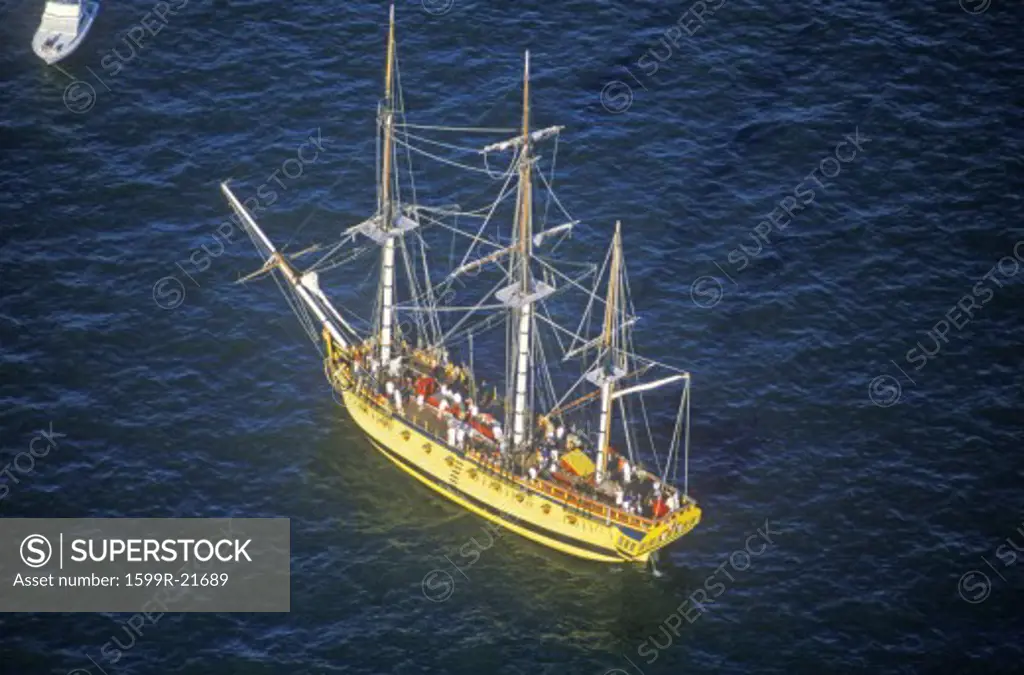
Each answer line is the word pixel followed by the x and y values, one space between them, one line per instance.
pixel 419 401
pixel 451 435
pixel 532 472
pixel 497 432
pixel 560 433
pixel 460 436
pixel 627 472
pixel 473 410
pixel 618 497
pixel 398 399
pixel 442 407
pixel 389 387
pixel 457 398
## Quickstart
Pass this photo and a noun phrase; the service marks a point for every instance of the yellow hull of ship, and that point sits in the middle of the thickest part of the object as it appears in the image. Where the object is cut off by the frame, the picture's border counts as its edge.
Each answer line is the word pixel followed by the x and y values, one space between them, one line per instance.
pixel 500 500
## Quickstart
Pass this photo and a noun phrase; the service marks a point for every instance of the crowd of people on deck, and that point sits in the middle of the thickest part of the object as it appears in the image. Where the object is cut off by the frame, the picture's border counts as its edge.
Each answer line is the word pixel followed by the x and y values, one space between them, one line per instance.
pixel 436 387
pixel 430 383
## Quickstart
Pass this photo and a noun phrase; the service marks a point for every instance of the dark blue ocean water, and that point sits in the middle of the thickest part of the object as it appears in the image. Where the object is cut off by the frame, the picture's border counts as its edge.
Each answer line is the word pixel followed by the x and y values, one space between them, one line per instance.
pixel 842 399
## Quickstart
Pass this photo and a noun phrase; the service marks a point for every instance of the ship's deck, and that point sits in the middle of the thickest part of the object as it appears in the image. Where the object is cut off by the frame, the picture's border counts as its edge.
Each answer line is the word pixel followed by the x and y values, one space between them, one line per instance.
pixel 560 486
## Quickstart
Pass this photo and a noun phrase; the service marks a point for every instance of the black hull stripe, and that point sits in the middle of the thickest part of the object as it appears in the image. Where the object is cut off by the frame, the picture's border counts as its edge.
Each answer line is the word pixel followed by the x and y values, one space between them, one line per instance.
pixel 536 529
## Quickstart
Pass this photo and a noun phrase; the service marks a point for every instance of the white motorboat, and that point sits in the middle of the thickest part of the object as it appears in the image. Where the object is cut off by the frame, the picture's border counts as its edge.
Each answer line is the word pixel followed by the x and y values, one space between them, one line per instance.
pixel 63 27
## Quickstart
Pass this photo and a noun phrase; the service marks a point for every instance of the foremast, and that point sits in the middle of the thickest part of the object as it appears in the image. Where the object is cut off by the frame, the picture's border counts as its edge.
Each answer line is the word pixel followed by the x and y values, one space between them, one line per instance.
pixel 386 206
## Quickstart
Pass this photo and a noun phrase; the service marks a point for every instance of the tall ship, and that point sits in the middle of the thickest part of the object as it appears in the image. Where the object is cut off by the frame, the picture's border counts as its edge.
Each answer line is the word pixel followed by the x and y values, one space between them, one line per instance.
pixel 491 368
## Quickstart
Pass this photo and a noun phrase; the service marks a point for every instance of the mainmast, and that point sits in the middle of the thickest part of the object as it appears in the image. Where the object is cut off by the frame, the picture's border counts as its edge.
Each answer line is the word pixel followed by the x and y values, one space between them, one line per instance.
pixel 521 417
pixel 524 291
pixel 386 207
pixel 609 368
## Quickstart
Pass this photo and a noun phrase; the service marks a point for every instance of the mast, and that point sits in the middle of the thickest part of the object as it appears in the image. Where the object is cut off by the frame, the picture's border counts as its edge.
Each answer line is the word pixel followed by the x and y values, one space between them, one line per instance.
pixel 524 291
pixel 608 340
pixel 387 271
pixel 520 415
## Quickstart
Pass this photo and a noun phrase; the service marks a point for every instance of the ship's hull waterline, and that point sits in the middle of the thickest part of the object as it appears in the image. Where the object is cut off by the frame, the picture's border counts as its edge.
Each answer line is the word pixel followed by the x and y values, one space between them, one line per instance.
pixel 502 498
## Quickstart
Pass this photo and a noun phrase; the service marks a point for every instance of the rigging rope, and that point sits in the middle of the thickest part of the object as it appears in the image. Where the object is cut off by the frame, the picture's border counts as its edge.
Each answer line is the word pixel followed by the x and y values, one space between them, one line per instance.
pixel 555 198
pixel 477 238
pixel 442 160
pixel 674 447
pixel 627 429
pixel 495 130
pixel 650 437
pixel 547 202
pixel 450 146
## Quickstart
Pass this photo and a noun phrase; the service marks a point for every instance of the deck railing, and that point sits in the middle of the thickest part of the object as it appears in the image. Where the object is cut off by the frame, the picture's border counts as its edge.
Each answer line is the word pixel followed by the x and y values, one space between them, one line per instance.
pixel 568 497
